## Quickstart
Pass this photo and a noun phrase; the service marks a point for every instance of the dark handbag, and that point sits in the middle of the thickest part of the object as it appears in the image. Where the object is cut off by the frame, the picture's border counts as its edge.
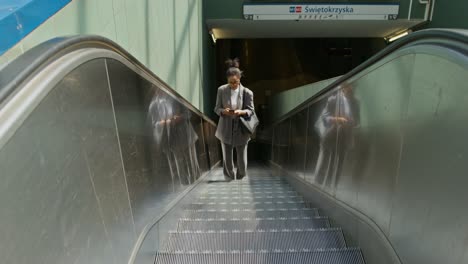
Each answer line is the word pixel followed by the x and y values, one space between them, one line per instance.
pixel 249 123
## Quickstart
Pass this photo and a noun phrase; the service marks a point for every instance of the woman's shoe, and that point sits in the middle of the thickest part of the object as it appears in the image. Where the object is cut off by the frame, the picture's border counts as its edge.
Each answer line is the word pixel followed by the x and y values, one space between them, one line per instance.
pixel 240 177
pixel 227 178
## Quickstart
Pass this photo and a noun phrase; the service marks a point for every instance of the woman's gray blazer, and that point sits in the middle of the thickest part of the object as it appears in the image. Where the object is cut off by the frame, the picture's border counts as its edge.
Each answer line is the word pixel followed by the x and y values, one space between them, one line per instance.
pixel 229 129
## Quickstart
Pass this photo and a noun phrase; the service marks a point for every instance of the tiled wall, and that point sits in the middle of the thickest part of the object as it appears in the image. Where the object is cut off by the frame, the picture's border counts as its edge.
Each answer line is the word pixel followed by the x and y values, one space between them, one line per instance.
pixel 163 35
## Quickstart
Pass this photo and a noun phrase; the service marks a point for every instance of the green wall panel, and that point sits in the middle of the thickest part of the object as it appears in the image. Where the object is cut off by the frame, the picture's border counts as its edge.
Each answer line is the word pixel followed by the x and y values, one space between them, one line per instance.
pixel 182 42
pixel 286 101
pixel 162 39
pixel 450 14
pixel 163 35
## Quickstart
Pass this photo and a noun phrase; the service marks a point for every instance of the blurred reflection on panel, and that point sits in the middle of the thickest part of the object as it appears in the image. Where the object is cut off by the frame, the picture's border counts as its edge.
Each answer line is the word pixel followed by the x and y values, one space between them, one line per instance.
pixel 212 145
pixel 313 140
pixel 397 155
pixel 335 126
pixel 196 123
pixel 161 142
pixel 297 143
pixel 101 156
pixel 281 142
pixel 174 134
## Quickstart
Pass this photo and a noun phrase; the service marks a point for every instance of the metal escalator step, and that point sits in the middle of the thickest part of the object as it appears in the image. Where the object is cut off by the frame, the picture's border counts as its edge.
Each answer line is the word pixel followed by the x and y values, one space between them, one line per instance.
pixel 250 198
pixel 263 179
pixel 249 192
pixel 253 181
pixel 252 213
pixel 247 205
pixel 250 185
pixel 330 256
pixel 310 239
pixel 253 224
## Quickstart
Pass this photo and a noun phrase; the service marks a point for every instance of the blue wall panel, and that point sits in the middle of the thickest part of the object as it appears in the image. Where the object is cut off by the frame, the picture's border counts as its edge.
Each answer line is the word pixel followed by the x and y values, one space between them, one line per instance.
pixel 19 17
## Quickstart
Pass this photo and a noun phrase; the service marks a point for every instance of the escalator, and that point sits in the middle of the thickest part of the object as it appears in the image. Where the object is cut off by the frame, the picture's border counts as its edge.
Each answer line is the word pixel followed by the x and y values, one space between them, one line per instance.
pixel 103 162
pixel 260 219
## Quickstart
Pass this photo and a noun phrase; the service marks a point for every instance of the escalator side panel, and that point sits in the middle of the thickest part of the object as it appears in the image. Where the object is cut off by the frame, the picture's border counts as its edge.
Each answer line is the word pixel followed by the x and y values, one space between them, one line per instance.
pixel 83 174
pixel 394 177
pixel 63 189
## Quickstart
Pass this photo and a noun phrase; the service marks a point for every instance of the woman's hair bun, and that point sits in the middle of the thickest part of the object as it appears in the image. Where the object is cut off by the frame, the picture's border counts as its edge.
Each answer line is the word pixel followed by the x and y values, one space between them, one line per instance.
pixel 232 63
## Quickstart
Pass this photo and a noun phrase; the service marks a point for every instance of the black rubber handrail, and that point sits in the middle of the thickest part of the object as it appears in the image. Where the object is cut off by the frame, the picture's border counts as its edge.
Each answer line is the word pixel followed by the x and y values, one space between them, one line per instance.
pixel 429 36
pixel 23 68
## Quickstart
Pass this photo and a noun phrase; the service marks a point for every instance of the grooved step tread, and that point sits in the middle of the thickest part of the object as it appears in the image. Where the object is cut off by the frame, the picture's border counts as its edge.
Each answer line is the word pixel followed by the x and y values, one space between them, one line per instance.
pixel 253 224
pixel 252 213
pixel 254 220
pixel 250 190
pixel 249 185
pixel 237 183
pixel 247 197
pixel 241 192
pixel 248 205
pixel 211 199
pixel 335 256
pixel 257 240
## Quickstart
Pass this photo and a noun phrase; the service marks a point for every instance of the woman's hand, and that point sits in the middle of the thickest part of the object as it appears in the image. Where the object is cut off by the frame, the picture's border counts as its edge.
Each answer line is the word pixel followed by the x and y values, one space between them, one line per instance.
pixel 341 120
pixel 240 113
pixel 227 112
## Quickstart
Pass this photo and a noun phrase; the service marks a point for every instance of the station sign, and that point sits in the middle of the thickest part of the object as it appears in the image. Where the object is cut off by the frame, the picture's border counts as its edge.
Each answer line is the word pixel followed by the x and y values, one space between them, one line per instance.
pixel 322 11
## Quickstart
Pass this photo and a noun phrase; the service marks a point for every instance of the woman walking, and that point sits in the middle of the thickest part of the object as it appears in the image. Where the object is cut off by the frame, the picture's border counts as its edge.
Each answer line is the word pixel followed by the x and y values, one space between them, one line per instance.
pixel 233 101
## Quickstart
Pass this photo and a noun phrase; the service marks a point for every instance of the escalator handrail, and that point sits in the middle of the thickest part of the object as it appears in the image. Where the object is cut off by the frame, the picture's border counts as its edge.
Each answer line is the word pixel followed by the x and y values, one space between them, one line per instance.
pixel 23 68
pixel 421 37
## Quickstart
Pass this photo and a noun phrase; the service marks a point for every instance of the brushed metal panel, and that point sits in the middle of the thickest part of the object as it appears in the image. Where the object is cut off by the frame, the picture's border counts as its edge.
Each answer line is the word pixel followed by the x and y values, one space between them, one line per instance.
pixel 298 143
pixel 212 143
pixel 368 178
pixel 52 198
pixel 64 191
pixel 357 232
pixel 404 160
pixel 149 246
pixel 132 96
pixel 281 143
pixel 91 116
pixel 200 150
pixel 316 146
pixel 430 220
pixel 327 157
pixel 274 143
pixel 160 142
pixel 313 142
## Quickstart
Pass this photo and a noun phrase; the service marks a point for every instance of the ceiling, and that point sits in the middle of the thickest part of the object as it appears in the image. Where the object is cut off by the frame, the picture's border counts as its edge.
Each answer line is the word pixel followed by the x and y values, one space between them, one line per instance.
pixel 240 28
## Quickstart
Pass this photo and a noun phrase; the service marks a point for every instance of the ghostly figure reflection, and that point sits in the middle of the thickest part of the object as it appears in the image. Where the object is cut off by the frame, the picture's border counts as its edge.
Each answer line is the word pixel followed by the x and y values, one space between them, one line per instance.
pixel 175 136
pixel 335 128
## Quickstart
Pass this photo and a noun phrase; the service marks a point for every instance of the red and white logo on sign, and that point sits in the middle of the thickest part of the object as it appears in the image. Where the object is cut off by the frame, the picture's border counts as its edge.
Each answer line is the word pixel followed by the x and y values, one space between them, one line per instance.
pixel 298 9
